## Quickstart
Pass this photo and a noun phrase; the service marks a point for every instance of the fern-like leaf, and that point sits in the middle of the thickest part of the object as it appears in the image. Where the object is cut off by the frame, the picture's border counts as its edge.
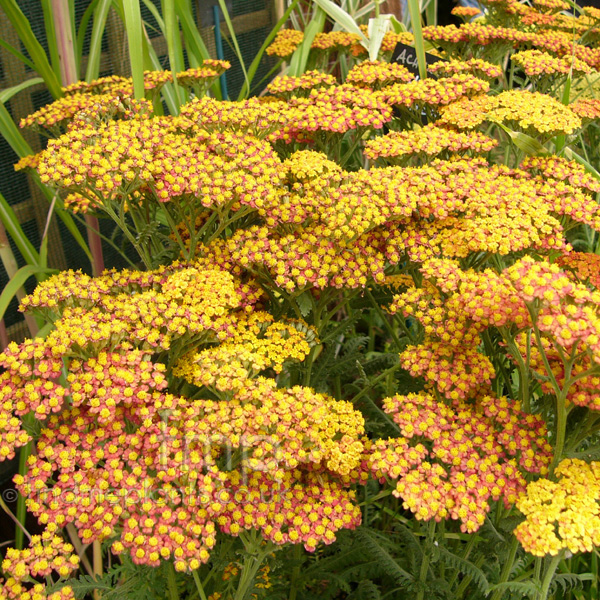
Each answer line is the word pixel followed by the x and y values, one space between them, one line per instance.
pixel 366 590
pixel 524 589
pixel 466 567
pixel 389 566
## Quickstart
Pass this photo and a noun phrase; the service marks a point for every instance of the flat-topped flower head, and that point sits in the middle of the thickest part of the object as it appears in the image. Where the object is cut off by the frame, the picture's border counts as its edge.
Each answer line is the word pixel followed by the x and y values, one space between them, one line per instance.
pixel 476 66
pixel 467 455
pixel 562 514
pixel 287 86
pixel 427 141
pixel 538 64
pixel 285 43
pixel 378 74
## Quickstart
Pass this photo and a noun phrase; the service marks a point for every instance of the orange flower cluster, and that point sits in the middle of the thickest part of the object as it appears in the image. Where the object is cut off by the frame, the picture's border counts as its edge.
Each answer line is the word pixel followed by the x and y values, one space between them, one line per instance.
pixel 378 74
pixel 478 453
pixel 156 473
pixel 536 64
pixel 430 140
pixel 46 553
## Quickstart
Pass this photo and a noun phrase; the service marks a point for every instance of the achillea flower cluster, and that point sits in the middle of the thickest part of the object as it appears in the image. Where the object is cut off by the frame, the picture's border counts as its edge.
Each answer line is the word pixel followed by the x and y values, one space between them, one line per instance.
pixel 258 344
pixel 378 74
pixel 148 156
pixel 478 452
pixel 583 265
pixel 287 86
pixel 46 553
pixel 430 140
pixel 476 66
pixel 158 474
pixel 285 42
pixel 531 112
pixel 537 64
pixel 432 92
pixel 564 514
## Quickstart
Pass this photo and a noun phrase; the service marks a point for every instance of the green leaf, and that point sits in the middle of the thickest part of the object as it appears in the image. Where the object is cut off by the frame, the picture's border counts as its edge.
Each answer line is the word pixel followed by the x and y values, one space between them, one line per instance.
pixel 83 25
pixel 234 40
pixel 466 567
pixel 13 228
pixel 343 19
pixel 92 70
pixel 17 281
pixel 16 53
pixel 256 62
pixel 194 43
pixel 8 93
pixel 51 36
pixel 572 155
pixel 132 18
pixel 524 142
pixel 377 29
pixel 12 135
pixel 174 49
pixel 414 8
pixel 34 48
pixel 300 56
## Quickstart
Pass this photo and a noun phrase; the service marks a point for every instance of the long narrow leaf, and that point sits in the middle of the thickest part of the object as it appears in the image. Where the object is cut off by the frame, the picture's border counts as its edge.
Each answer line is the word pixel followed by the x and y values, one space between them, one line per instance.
pixel 17 282
pixel 197 50
pixel 8 93
pixel 377 29
pixel 12 135
pixel 256 62
pixel 83 25
pixel 36 52
pixel 300 56
pixel 17 54
pixel 51 36
pixel 174 49
pixel 135 43
pixel 13 228
pixel 415 19
pixel 92 70
pixel 236 46
pixel 340 16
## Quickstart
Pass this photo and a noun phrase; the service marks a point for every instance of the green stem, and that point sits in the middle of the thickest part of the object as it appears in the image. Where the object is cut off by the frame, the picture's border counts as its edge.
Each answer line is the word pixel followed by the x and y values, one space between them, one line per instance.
pixel 549 574
pixel 199 585
pixel 426 558
pixel 385 320
pixel 172 582
pixel 295 572
pixel 21 507
pixel 508 566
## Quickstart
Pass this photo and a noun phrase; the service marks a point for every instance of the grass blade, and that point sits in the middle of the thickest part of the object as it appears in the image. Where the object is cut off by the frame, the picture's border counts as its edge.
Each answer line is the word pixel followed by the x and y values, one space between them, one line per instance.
pixel 174 49
pixel 13 228
pixel 33 47
pixel 197 50
pixel 8 93
pixel 414 9
pixel 17 54
pixel 132 18
pixel 342 18
pixel 256 62
pixel 17 281
pixel 300 56
pixel 51 36
pixel 92 70
pixel 377 29
pixel 236 46
pixel 83 25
